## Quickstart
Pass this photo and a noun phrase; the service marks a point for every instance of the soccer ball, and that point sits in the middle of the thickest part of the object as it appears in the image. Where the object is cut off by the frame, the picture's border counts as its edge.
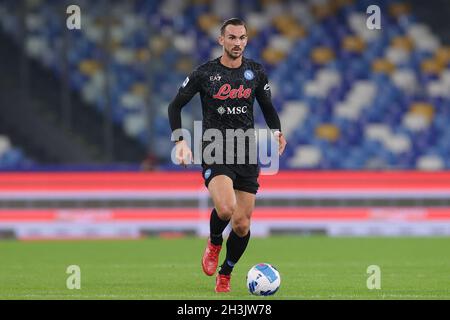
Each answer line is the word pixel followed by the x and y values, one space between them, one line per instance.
pixel 263 280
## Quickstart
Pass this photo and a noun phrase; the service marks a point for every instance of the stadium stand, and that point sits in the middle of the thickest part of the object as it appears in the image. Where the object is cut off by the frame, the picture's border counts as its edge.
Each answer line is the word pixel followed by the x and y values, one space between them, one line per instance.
pixel 348 97
pixel 11 156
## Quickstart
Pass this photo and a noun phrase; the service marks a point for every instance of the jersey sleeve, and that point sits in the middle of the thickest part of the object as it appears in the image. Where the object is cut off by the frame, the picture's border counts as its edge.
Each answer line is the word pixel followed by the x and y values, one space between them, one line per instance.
pixel 264 98
pixel 263 88
pixel 189 87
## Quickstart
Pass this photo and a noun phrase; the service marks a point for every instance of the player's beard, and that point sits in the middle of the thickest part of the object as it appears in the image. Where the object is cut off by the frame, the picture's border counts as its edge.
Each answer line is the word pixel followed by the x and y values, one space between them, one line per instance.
pixel 233 55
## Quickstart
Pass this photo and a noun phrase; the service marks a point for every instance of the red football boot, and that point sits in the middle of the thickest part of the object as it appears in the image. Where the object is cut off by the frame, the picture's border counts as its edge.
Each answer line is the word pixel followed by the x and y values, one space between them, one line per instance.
pixel 210 258
pixel 223 283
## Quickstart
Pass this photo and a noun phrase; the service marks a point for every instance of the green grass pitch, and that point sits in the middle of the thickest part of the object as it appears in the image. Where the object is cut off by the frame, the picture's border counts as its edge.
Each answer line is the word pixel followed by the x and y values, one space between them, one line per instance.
pixel 155 268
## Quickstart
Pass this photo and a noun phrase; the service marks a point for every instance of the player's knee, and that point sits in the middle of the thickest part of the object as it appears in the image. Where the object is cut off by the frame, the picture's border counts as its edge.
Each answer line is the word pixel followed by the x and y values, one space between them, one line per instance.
pixel 241 227
pixel 225 210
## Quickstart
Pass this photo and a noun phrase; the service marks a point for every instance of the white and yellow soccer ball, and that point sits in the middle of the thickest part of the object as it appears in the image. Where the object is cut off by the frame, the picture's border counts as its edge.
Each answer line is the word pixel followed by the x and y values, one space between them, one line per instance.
pixel 263 279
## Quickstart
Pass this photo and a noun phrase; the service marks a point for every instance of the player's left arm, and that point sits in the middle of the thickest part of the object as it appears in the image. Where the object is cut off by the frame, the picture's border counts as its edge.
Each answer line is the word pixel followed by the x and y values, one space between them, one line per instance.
pixel 264 98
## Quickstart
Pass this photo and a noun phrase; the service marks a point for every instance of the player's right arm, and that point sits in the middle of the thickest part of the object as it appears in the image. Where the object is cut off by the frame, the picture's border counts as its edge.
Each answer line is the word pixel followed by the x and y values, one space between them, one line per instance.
pixel 188 89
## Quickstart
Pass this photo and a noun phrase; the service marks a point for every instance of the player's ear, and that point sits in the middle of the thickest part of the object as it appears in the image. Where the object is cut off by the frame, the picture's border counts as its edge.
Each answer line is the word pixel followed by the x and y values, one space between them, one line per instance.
pixel 221 39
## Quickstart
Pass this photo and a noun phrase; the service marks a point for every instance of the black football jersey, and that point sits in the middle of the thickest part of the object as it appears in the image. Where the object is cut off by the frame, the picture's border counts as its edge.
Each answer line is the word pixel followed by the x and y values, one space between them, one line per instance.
pixel 227 94
pixel 227 98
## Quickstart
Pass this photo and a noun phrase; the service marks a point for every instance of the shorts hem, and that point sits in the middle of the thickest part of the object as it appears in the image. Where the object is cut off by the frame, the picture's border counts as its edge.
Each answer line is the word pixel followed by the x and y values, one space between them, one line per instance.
pixel 249 190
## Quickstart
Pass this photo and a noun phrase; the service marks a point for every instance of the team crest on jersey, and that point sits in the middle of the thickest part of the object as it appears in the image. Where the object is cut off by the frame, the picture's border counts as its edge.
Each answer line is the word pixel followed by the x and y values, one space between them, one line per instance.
pixel 249 75
pixel 217 77
pixel 185 82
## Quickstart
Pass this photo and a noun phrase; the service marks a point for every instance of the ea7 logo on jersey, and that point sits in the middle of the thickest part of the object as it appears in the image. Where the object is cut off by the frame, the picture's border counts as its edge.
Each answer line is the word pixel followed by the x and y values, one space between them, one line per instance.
pixel 217 77
pixel 267 87
pixel 185 82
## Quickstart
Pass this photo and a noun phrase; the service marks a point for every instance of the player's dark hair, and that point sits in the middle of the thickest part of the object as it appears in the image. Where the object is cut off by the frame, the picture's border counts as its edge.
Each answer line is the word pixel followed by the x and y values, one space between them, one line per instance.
pixel 234 22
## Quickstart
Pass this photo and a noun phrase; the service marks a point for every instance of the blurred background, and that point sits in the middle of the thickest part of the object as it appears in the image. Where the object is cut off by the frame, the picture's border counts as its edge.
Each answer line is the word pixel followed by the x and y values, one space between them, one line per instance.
pixel 85 140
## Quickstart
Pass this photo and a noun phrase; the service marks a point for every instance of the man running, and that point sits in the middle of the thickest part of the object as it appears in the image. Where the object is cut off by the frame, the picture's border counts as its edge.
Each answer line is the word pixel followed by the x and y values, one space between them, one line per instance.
pixel 228 87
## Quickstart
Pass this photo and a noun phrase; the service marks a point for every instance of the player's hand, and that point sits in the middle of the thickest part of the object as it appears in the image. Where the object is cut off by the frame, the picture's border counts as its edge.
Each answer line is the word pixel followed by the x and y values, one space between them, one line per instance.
pixel 183 153
pixel 281 142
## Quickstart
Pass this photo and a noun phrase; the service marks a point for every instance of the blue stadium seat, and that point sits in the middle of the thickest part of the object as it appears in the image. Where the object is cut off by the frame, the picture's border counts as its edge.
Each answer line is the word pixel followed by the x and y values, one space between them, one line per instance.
pixel 290 77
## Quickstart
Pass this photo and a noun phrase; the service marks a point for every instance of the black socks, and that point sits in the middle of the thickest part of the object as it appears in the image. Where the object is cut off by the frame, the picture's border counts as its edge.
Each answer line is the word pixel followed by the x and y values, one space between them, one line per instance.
pixel 235 248
pixel 216 227
pixel 235 245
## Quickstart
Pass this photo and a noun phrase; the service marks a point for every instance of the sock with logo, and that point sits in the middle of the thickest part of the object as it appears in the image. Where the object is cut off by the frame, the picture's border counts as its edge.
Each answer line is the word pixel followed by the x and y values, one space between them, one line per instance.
pixel 216 227
pixel 235 248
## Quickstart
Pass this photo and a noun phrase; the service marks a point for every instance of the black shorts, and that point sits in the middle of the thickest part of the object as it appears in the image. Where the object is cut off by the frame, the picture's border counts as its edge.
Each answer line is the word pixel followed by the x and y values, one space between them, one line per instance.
pixel 245 177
